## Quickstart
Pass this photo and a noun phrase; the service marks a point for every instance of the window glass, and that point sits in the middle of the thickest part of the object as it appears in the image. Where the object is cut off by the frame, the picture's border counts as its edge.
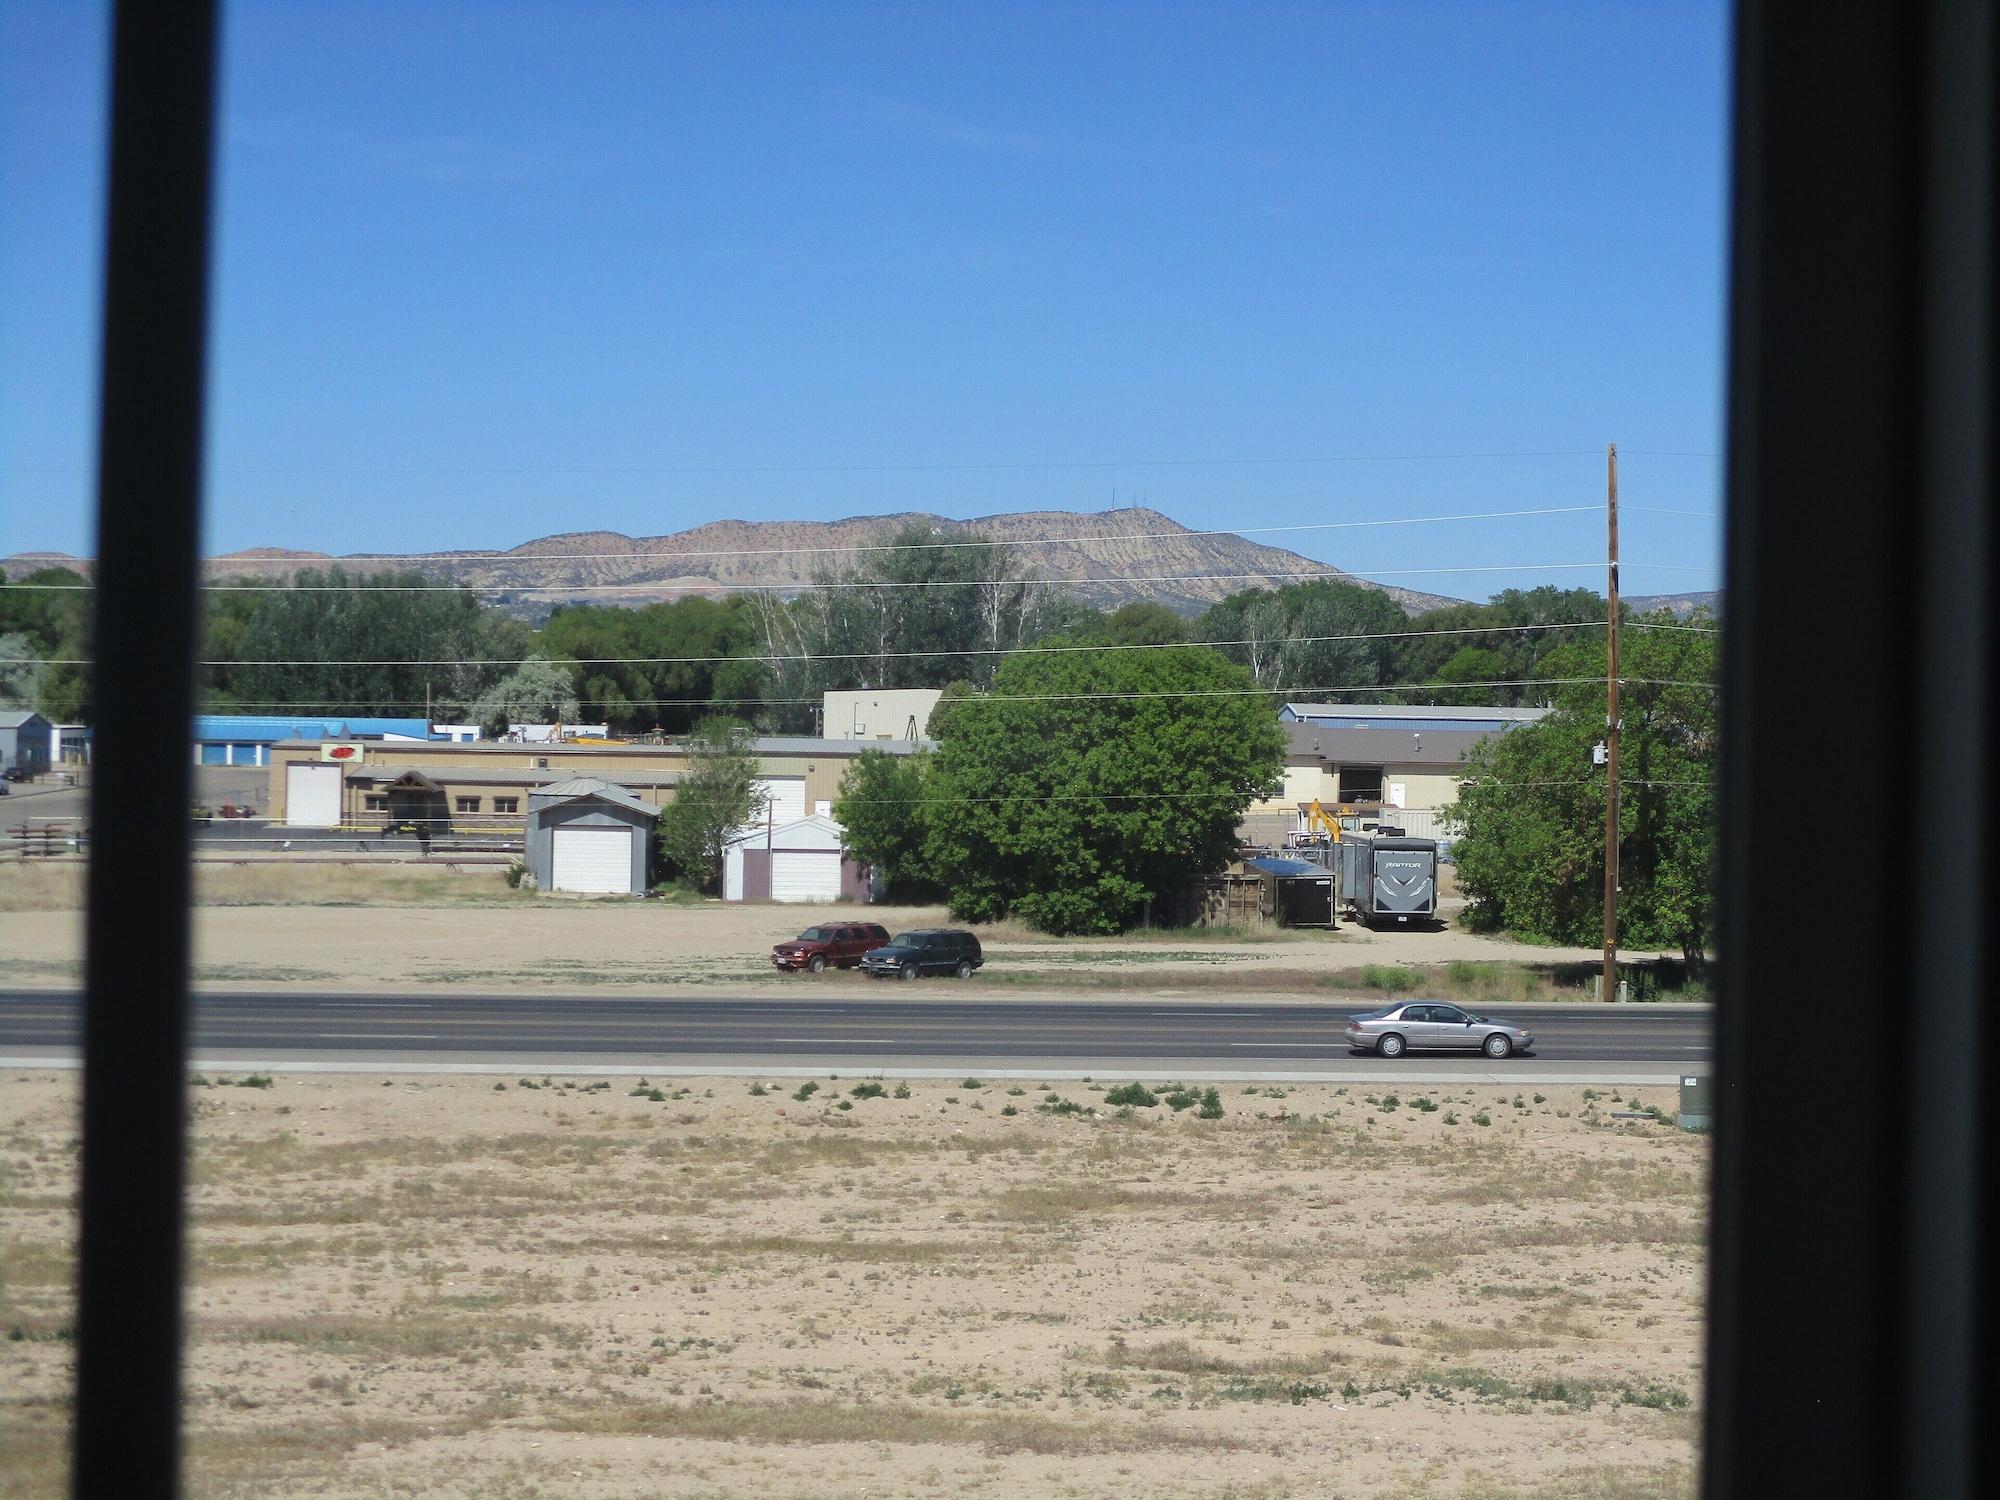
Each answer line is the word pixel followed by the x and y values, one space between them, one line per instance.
pixel 589 377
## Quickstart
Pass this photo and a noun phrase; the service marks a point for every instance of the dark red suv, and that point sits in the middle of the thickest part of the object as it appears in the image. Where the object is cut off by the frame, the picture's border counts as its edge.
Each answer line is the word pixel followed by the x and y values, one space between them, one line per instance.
pixel 838 944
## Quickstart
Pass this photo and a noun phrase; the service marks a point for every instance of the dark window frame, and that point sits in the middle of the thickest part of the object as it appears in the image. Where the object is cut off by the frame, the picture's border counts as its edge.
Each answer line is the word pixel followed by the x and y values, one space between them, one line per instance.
pixel 1850 1334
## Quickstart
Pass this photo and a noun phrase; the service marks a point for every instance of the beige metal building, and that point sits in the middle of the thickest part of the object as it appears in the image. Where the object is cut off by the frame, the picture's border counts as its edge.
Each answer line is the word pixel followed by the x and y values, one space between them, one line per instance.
pixel 1402 756
pixel 879 714
pixel 485 786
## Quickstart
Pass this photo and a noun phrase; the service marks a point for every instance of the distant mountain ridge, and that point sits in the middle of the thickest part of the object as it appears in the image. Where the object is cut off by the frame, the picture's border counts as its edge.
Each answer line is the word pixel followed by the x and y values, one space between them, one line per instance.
pixel 1109 558
pixel 1125 555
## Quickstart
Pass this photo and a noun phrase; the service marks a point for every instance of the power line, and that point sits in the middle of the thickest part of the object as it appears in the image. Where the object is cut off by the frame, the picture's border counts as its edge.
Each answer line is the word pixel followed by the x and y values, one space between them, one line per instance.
pixel 472 559
pixel 811 656
pixel 337 705
pixel 809 585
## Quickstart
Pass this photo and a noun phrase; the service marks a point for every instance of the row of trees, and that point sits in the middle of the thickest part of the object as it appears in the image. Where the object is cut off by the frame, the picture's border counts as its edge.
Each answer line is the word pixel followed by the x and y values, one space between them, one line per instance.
pixel 1050 795
pixel 924 610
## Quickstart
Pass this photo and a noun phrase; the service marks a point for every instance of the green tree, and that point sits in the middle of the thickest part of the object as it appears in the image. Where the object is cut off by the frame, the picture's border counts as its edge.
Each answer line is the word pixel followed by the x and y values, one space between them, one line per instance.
pixel 716 796
pixel 538 691
pixel 1479 666
pixel 1510 631
pixel 1072 797
pixel 20 671
pixel 1144 623
pixel 664 666
pixel 929 606
pixel 882 809
pixel 1324 636
pixel 383 643
pixel 1532 802
pixel 51 617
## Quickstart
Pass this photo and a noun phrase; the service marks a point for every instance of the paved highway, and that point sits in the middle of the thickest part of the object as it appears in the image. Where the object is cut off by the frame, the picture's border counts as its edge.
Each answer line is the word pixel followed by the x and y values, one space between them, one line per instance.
pixel 924 1033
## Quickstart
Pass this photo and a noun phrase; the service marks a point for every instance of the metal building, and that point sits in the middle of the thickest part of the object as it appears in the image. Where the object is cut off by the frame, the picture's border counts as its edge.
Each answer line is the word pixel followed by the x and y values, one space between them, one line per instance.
pixel 586 834
pixel 25 741
pixel 804 859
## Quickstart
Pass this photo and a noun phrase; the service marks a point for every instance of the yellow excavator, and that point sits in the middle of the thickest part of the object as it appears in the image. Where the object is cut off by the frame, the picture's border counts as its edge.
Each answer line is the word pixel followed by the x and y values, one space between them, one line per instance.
pixel 1317 816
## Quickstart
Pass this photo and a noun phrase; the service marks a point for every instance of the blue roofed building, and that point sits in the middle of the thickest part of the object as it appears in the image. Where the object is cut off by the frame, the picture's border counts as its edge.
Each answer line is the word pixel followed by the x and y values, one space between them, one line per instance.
pixel 246 739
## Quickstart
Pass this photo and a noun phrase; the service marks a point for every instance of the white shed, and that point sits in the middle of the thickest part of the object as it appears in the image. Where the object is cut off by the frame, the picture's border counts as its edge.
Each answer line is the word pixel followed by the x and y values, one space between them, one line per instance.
pixel 801 860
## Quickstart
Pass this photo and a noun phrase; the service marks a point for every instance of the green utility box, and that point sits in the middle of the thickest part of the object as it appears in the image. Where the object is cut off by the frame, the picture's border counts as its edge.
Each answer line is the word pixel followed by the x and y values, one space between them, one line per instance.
pixel 1697 1111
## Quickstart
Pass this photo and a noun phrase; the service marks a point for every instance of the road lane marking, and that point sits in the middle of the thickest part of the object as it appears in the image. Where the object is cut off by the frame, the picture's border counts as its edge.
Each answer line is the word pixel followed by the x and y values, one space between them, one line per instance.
pixel 1341 1045
pixel 811 1039
pixel 375 1036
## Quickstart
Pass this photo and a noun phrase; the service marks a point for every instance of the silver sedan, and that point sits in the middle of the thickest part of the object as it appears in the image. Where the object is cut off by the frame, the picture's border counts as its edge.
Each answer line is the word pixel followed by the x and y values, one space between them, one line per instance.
pixel 1431 1025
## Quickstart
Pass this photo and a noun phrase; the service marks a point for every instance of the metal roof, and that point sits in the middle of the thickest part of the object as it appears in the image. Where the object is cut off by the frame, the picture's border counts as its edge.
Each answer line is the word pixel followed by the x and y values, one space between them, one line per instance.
pixel 1288 869
pixel 242 728
pixel 799 744
pixel 16 718
pixel 819 821
pixel 524 776
pixel 1407 716
pixel 576 788
pixel 1384 747
pixel 774 744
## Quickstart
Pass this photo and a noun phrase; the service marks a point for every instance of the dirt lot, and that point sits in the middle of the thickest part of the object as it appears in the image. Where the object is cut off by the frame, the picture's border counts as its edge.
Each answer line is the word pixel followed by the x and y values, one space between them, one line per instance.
pixel 455 1287
pixel 398 927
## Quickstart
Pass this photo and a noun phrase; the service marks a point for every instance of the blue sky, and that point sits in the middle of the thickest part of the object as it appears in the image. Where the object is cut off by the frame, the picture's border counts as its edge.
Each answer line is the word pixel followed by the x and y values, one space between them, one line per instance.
pixel 490 271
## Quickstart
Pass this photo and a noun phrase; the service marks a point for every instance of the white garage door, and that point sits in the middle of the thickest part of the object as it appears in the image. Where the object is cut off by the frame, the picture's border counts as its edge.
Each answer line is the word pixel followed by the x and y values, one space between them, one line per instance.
pixel 312 796
pixel 805 875
pixel 788 798
pixel 592 859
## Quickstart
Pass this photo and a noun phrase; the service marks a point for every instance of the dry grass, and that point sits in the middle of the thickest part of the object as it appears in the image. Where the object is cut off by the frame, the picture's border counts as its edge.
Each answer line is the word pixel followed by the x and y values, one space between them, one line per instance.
pixel 441 1287
pixel 788 1422
pixel 32 886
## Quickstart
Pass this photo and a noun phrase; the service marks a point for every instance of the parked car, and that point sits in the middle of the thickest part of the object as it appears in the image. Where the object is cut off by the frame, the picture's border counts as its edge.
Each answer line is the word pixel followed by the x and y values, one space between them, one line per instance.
pixel 17 773
pixel 1431 1025
pixel 839 944
pixel 936 950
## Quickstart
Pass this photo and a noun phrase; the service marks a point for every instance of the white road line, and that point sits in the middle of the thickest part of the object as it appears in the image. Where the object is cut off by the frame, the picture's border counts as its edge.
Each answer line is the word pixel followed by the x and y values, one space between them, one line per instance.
pixel 1281 1046
pixel 810 1040
pixel 375 1036
pixel 383 1005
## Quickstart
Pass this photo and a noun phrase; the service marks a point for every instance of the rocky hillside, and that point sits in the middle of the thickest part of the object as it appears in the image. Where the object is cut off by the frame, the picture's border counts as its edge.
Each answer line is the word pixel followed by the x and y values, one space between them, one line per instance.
pixel 1680 604
pixel 1112 557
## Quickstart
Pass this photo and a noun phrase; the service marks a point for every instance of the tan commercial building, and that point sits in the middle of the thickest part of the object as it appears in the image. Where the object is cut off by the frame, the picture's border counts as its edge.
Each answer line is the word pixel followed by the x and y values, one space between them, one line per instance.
pixel 879 714
pixel 471 788
pixel 1402 756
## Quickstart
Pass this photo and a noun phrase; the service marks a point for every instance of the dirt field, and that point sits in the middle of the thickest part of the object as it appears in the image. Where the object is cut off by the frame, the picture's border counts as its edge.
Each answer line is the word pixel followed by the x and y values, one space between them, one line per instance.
pixel 453 1287
pixel 383 928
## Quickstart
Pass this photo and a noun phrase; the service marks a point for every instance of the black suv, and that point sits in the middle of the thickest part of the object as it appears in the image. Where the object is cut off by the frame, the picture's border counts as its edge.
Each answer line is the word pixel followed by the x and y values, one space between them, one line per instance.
pixel 935 950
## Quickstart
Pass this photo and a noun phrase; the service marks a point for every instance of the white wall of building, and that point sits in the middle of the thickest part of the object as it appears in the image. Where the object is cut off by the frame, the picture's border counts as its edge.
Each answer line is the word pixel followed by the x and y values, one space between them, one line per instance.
pixel 887 714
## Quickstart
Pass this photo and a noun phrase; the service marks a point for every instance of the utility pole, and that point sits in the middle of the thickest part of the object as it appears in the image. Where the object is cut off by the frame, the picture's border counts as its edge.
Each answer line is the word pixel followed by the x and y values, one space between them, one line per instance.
pixel 1611 737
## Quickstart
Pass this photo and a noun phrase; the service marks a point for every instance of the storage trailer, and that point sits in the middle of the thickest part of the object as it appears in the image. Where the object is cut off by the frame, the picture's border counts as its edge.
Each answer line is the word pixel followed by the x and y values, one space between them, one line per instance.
pixel 1386 877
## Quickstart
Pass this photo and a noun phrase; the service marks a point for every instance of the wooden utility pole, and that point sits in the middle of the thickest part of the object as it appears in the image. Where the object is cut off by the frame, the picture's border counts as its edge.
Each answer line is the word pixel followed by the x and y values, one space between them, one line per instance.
pixel 1611 738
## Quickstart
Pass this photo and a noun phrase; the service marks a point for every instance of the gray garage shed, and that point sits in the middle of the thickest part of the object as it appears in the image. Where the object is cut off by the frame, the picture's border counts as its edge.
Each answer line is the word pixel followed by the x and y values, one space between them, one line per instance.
pixel 589 834
pixel 25 742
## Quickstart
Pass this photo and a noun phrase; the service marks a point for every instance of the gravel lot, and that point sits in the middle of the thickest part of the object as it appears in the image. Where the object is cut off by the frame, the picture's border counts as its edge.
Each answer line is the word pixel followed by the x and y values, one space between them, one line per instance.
pixel 377 928
pixel 542 1288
